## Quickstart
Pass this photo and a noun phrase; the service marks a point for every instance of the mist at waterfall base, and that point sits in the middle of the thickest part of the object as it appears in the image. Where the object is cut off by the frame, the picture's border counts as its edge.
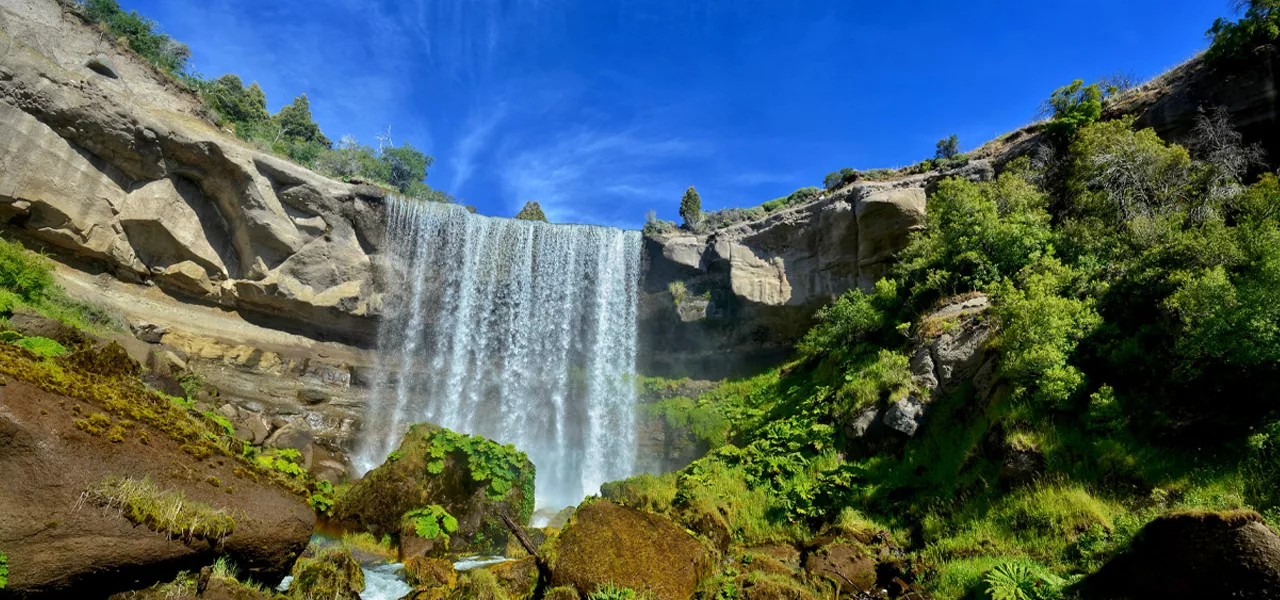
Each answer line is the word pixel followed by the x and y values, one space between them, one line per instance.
pixel 519 331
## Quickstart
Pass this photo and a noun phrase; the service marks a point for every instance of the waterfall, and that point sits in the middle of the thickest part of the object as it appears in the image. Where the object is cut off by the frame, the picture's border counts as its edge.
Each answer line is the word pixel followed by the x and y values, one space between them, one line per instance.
pixel 519 331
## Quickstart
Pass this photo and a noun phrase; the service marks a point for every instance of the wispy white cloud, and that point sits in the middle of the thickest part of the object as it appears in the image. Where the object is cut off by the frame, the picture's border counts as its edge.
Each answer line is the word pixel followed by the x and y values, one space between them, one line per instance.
pixel 596 176
pixel 476 134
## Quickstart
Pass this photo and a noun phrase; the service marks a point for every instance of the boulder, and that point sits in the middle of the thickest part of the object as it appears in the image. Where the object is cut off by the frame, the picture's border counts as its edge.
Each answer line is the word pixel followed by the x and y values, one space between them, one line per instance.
pixel 295 435
pixel 432 467
pixel 1194 555
pixel 253 428
pixel 609 544
pixel 428 572
pixel 848 565
pixel 517 578
pixel 332 575
pixel 62 447
pixel 148 332
pixel 905 415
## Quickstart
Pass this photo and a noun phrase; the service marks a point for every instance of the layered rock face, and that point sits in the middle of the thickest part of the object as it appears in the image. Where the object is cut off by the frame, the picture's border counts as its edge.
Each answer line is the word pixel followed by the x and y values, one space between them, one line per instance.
pixel 738 298
pixel 123 174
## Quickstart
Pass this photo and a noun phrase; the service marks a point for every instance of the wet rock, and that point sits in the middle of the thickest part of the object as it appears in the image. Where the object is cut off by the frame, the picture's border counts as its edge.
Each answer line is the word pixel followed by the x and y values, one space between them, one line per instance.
pixel 414 478
pixel 1194 555
pixel 332 575
pixel 610 544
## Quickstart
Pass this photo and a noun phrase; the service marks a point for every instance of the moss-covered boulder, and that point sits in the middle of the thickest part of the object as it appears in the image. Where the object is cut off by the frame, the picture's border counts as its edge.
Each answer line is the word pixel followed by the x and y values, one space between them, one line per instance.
pixel 332 575
pixel 847 565
pixel 537 535
pixel 471 479
pixel 608 544
pixel 478 584
pixel 428 572
pixel 517 578
pixel 1193 555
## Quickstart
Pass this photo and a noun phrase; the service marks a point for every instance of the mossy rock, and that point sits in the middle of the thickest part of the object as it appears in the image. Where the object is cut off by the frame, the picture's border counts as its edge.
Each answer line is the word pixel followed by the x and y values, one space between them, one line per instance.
pixel 846 564
pixel 332 575
pixel 427 572
pixel 759 585
pixel 479 584
pixel 564 592
pixel 1193 555
pixel 474 479
pixel 608 544
pixel 518 578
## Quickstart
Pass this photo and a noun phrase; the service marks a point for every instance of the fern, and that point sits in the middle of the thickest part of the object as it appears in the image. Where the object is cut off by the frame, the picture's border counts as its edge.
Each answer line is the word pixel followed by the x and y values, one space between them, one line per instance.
pixel 1016 581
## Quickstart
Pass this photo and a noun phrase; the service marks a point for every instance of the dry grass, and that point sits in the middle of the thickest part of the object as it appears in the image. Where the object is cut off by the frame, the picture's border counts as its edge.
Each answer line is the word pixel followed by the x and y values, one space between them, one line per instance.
pixel 166 511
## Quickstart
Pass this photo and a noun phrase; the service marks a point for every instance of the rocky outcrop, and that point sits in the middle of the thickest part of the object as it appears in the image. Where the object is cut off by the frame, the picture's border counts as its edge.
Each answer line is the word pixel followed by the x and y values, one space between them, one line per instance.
pixel 123 173
pixel 1194 555
pixel 434 466
pixel 608 544
pixel 950 349
pixel 64 532
pixel 758 284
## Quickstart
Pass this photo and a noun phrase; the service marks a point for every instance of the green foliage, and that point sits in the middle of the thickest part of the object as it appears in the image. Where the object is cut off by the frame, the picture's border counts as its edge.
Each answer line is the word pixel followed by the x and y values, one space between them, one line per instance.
pixel 948 148
pixel 1232 40
pixel 142 34
pixel 855 319
pixel 487 460
pixel 286 461
pixel 612 592
pixel 431 522
pixel 406 166
pixel 1073 107
pixel 691 208
pixel 245 108
pixel 702 419
pixel 1017 581
pixel 532 211
pixel 42 347
pixel 4 570
pixel 27 275
pixel 979 234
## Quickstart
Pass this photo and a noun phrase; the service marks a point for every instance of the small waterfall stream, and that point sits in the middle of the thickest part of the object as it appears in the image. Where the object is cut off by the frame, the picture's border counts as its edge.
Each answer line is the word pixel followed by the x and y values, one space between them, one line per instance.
pixel 519 331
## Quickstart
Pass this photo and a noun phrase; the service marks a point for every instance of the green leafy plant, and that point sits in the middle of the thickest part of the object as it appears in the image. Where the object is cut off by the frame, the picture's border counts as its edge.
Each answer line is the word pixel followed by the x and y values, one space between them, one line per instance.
pixel 4 570
pixel 532 211
pixel 431 522
pixel 1259 25
pixel 609 591
pixel 41 346
pixel 1016 581
pixel 1073 107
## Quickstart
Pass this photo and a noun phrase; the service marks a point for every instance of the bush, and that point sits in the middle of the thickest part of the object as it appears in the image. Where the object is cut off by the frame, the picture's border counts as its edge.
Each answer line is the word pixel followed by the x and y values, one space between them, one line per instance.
pixel 611 592
pixel 26 274
pixel 1073 107
pixel 142 34
pixel 4 570
pixel 1232 39
pixel 41 346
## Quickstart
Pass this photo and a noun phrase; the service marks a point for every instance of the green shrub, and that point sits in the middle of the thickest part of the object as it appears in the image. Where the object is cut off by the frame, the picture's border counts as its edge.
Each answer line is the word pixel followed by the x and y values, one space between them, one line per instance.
pixel 142 34
pixel 609 591
pixel 1073 107
pixel 1260 25
pixel 26 274
pixel 41 346
pixel 691 208
pixel 948 148
pixel 532 211
pixel 4 570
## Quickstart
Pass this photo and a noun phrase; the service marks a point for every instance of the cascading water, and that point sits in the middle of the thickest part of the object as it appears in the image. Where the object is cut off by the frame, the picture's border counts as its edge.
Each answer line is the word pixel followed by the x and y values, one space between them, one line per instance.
pixel 519 331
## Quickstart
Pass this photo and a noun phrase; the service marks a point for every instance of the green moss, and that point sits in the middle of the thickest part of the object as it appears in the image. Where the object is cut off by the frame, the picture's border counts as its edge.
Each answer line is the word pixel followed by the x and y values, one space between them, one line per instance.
pixel 165 511
pixel 654 493
pixel 478 584
pixel 42 347
pixel 4 570
pixel 332 575
pixel 612 592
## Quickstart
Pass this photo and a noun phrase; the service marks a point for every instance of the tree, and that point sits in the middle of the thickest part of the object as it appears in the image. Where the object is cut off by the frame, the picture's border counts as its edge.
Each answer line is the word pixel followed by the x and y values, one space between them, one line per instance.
pixel 1073 107
pixel 532 211
pixel 407 165
pixel 241 106
pixel 691 208
pixel 296 125
pixel 948 148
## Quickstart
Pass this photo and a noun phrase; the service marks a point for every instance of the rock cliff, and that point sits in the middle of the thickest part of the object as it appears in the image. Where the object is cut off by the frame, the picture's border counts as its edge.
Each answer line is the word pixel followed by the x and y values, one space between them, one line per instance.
pixel 121 173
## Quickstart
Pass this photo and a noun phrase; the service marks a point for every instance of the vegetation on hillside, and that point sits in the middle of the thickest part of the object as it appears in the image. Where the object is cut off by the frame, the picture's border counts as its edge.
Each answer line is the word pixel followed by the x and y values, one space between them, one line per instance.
pixel 291 132
pixel 1135 289
pixel 532 211
pixel 1235 40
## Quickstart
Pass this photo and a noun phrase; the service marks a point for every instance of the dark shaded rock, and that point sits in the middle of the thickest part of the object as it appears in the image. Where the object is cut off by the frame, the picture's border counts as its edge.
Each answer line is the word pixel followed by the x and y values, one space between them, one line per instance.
pixel 610 544
pixel 848 565
pixel 333 575
pixel 148 332
pixel 102 66
pixel 1194 555
pixel 413 478
pixel 905 415
pixel 30 323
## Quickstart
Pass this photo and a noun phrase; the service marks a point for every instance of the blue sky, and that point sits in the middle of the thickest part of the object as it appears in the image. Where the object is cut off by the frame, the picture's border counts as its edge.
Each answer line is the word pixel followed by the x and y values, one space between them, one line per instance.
pixel 604 109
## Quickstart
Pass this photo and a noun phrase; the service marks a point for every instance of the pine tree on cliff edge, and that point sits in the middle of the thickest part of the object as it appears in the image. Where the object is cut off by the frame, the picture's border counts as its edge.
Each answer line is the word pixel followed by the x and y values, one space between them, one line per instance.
pixel 691 209
pixel 532 211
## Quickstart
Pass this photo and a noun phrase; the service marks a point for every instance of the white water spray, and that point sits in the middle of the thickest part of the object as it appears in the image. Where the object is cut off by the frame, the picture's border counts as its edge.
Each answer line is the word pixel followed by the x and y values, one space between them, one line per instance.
pixel 519 331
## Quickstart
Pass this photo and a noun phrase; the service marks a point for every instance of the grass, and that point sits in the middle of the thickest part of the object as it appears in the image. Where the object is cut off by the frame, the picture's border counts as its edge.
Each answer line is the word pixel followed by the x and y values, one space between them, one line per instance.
pixel 609 591
pixel 26 279
pixel 165 511
pixel 4 570
pixel 366 543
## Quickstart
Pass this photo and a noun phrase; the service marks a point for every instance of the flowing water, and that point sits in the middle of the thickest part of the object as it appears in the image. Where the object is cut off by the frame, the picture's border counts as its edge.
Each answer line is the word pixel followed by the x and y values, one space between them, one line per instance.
pixel 519 331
